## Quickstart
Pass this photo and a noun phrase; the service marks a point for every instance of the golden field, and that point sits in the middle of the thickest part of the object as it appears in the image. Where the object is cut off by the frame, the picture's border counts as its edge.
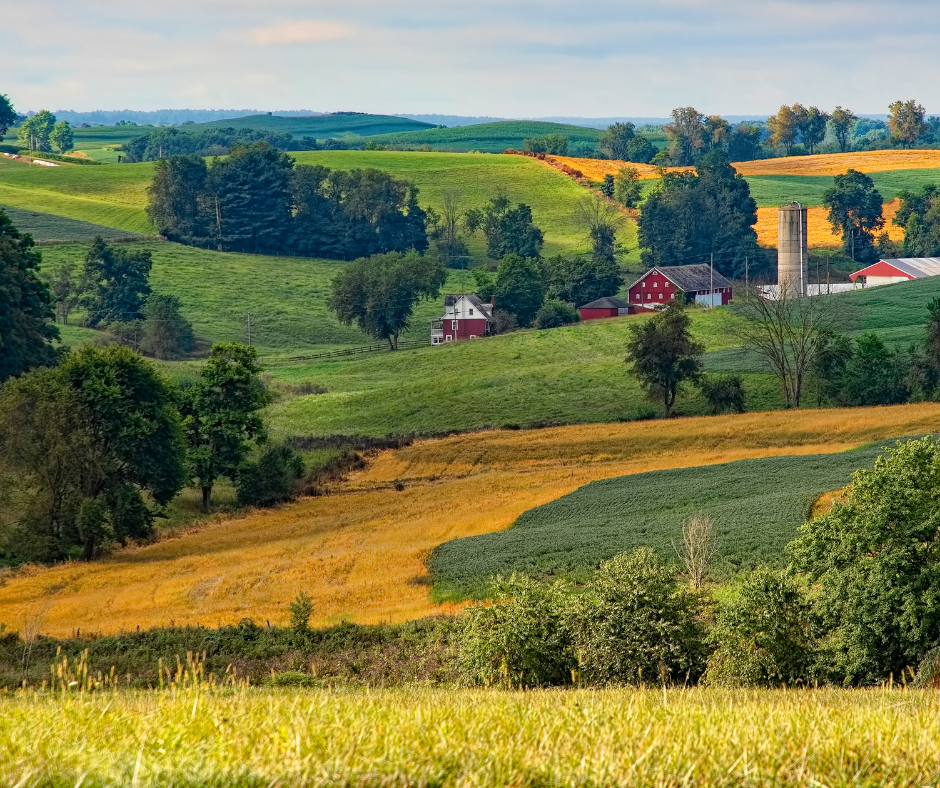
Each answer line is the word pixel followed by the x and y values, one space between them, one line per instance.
pixel 818 230
pixel 359 553
pixel 198 734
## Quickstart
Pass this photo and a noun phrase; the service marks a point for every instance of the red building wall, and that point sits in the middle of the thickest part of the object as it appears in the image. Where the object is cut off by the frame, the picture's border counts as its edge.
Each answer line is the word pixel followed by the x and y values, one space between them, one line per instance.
pixel 594 314
pixel 653 289
pixel 465 329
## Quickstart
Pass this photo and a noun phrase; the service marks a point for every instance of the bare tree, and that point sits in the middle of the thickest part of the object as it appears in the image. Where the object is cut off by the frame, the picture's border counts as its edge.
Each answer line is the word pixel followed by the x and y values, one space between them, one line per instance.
pixel 450 246
pixel 789 332
pixel 699 545
pixel 601 220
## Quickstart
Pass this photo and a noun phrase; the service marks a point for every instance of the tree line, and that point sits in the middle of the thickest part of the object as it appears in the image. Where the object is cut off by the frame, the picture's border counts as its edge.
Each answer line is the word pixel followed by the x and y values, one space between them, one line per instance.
pixel 43 133
pixel 257 200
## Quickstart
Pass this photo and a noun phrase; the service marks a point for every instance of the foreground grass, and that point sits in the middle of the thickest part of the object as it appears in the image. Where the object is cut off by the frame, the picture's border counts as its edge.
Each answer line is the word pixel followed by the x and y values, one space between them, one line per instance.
pixel 202 736
pixel 361 554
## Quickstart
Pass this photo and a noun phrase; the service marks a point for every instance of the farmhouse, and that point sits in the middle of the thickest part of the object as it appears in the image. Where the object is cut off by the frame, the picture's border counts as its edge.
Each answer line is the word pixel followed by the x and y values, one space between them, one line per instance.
pixel 901 269
pixel 604 307
pixel 694 283
pixel 465 317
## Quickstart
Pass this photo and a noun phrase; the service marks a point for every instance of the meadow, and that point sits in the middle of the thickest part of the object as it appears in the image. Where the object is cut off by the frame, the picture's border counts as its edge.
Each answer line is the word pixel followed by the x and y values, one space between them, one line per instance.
pixel 755 518
pixel 50 227
pixel 489 137
pixel 360 554
pixel 195 734
pixel 355 124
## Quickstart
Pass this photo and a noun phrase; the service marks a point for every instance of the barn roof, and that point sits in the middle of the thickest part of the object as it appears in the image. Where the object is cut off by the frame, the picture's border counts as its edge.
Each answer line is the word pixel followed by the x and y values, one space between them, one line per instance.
pixel 912 267
pixel 608 302
pixel 453 298
pixel 690 278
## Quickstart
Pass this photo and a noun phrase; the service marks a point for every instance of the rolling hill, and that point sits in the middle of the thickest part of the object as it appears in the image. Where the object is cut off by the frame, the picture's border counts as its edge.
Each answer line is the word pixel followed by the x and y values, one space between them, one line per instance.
pixel 338 124
pixel 489 137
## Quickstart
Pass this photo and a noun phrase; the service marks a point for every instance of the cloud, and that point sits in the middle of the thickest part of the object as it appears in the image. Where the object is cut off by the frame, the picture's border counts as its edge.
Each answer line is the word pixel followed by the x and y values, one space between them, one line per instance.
pixel 299 31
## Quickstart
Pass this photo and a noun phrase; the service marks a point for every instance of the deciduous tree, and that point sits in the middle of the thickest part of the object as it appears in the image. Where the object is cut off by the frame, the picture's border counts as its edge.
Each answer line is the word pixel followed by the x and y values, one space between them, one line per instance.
pixel 842 121
pixel 855 210
pixel 166 334
pixel 510 231
pixel 114 282
pixel 906 121
pixel 627 187
pixel 784 127
pixel 7 115
pixel 61 137
pixel 34 132
pixel 177 198
pixel 664 355
pixel 685 135
pixel 615 141
pixel 813 128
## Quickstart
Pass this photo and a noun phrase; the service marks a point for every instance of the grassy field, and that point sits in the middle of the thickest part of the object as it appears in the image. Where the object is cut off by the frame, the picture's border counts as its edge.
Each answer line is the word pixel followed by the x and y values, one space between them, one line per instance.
pixel 320 127
pixel 490 137
pixel 49 227
pixel 757 506
pixel 361 554
pixel 198 734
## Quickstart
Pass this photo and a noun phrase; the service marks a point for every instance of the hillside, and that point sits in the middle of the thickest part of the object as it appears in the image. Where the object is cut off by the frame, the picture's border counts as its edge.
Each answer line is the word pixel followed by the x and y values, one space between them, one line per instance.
pixel 49 227
pixel 360 555
pixel 490 137
pixel 755 518
pixel 339 124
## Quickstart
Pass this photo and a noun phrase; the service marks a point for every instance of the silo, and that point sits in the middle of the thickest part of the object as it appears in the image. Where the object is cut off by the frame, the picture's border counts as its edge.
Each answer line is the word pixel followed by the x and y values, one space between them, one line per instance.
pixel 792 250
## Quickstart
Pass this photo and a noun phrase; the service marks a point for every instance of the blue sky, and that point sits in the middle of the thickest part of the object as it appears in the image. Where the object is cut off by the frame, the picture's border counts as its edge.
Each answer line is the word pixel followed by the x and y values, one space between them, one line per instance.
pixel 507 58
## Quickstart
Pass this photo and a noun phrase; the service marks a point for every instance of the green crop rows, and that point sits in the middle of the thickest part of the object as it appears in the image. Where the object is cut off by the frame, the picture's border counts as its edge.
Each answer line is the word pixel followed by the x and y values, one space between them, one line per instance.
pixel 757 506
pixel 49 227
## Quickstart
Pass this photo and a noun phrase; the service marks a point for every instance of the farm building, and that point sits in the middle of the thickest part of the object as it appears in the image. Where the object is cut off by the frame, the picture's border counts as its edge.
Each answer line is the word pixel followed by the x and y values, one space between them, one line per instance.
pixel 465 317
pixel 604 307
pixel 902 269
pixel 695 283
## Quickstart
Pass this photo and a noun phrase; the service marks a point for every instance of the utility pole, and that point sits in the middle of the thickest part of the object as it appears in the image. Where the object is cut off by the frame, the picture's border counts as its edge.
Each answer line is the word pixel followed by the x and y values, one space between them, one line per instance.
pixel 745 275
pixel 249 329
pixel 711 274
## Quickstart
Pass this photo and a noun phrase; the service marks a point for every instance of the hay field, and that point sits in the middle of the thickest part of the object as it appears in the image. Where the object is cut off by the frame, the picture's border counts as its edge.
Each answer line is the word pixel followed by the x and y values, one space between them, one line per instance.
pixel 197 734
pixel 818 230
pixel 360 553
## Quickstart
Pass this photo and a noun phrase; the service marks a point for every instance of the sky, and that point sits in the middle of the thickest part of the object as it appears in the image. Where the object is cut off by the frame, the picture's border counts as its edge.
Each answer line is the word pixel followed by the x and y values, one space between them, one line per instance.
pixel 509 58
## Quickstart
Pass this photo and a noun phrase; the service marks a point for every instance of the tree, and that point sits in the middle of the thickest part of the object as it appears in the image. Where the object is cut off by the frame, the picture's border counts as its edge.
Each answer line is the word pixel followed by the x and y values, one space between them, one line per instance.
pixel 685 135
pixel 855 209
pixel 641 150
pixel 26 333
pixel 828 366
pixel 601 221
pixel 784 126
pixel 61 137
pixel 8 115
pixel 813 128
pixel 919 215
pixel 744 143
pixel 906 121
pixel 875 558
pixel 789 333
pixel 510 230
pixel 177 197
pixel 34 132
pixel 627 187
pixel 554 144
pixel 615 141
pixel 379 293
pixel 724 393
pixel 580 280
pixel 83 444
pixel 715 132
pixel 664 355
pixel 932 341
pixel 873 375
pixel 272 479
pixel 842 122
pixel 445 232
pixel 114 283
pixel 554 314
pixel 707 213
pixel 221 415
pixel 519 287
pixel 166 334
pixel 65 293
pixel 607 186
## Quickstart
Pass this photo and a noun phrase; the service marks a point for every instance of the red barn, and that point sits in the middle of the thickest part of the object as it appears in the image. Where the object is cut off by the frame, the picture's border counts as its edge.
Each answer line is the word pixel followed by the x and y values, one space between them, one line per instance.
pixel 604 307
pixel 465 317
pixel 902 269
pixel 694 283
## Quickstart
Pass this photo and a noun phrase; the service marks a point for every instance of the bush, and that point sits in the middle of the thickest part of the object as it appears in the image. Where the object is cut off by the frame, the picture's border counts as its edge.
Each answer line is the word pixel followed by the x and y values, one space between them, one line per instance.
pixel 762 633
pixel 723 394
pixel 272 479
pixel 554 314
pixel 521 639
pixel 504 322
pixel 634 624
pixel 166 333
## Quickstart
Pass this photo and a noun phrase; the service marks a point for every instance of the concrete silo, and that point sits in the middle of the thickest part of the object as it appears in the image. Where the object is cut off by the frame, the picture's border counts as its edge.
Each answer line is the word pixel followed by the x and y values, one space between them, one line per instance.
pixel 792 250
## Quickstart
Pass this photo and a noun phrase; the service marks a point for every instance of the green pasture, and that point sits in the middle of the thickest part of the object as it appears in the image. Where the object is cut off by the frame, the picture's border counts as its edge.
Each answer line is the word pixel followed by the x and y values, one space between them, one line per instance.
pixel 757 507
pixel 773 190
pixel 50 227
pixel 489 137
pixel 317 126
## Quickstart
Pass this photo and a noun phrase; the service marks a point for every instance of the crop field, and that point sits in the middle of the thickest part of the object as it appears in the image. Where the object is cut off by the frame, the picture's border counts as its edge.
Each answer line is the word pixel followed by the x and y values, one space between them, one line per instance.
pixel 360 554
pixel 819 232
pixel 49 227
pixel 757 507
pixel 201 734
pixel 836 163
pixel 317 126
pixel 286 296
pixel 489 137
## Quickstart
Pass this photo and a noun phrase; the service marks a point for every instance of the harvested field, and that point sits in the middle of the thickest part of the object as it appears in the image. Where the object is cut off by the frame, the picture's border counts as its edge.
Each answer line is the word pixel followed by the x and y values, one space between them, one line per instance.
pixel 819 231
pixel 360 554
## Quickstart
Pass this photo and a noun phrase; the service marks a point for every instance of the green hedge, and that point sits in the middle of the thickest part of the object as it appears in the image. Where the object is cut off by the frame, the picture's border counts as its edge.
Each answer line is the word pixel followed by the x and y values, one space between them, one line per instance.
pixel 54 157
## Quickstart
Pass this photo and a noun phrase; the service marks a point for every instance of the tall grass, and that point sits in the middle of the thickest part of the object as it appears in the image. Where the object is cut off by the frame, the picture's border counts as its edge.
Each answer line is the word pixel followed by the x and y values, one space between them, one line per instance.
pixel 193 733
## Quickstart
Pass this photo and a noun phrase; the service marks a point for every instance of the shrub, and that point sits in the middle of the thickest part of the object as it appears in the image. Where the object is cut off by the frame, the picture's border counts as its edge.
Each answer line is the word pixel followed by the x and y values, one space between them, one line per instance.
pixel 636 624
pixel 554 314
pixel 504 322
pixel 724 393
pixel 272 479
pixel 762 633
pixel 928 672
pixel 521 639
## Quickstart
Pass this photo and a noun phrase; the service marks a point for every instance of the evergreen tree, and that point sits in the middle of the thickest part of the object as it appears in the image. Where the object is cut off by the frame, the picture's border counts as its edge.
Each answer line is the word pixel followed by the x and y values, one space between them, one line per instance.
pixel 26 332
pixel 855 210
pixel 114 283
pixel 166 333
pixel 510 231
pixel 177 204
pixel 519 287
pixel 580 280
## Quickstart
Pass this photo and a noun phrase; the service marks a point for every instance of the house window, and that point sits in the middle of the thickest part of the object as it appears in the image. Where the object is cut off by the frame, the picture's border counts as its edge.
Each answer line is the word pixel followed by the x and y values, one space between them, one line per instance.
pixel 453 325
pixel 643 283
pixel 660 296
pixel 471 310
pixel 649 296
pixel 655 284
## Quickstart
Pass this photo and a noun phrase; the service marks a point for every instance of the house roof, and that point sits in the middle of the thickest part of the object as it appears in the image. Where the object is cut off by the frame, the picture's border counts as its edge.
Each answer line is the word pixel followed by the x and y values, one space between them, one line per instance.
pixel 911 267
pixel 690 278
pixel 608 302
pixel 452 298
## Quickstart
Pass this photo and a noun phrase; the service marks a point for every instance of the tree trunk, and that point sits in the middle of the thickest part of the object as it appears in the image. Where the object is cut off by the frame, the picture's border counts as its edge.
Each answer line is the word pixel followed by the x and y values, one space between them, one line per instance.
pixel 206 498
pixel 88 551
